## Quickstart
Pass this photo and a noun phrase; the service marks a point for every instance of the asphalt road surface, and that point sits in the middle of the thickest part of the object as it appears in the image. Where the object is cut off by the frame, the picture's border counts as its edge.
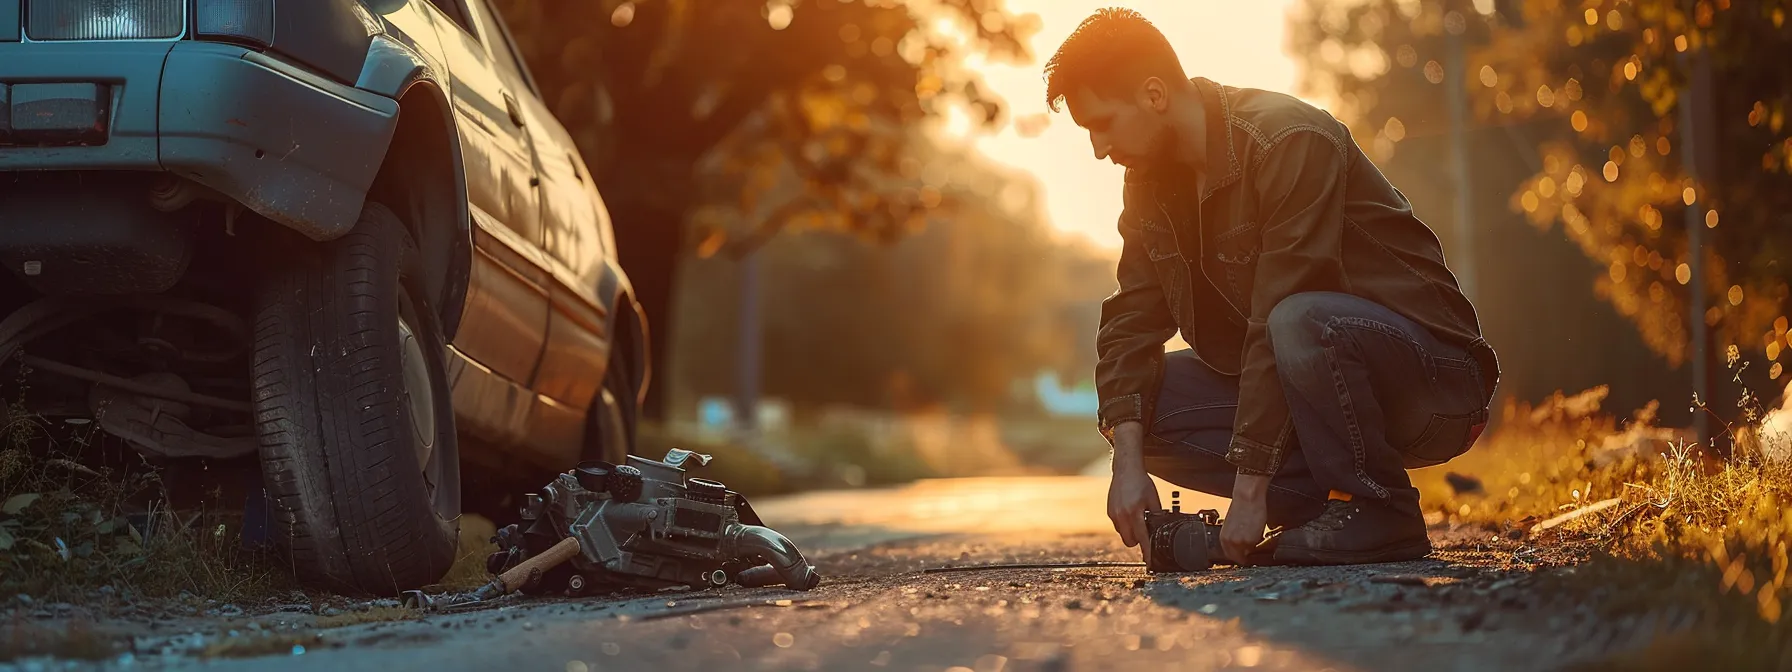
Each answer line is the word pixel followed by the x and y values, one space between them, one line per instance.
pixel 880 608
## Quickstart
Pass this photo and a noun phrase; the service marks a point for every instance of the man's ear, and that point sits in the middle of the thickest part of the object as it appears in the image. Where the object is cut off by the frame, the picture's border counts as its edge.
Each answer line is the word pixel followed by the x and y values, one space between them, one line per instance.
pixel 1154 95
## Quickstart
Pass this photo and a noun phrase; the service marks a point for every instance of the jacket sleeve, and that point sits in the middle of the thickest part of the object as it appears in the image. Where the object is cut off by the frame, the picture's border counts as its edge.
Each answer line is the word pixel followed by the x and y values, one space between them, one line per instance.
pixel 1300 188
pixel 1135 323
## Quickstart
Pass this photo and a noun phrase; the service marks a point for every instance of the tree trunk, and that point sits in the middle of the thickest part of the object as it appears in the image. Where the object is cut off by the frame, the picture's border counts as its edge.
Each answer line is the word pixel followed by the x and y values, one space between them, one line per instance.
pixel 649 244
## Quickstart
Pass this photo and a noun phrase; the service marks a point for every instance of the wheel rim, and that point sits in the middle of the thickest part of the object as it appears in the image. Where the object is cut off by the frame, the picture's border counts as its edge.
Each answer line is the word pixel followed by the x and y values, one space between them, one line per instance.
pixel 420 399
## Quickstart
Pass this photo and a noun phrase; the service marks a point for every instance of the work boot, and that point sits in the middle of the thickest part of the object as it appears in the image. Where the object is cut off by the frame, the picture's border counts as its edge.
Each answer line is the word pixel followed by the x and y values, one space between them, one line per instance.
pixel 1353 531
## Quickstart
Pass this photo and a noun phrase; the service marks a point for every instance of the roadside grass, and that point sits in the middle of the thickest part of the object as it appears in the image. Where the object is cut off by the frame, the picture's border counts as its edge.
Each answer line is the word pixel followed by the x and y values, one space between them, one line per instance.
pixel 468 572
pixel 1670 527
pixel 69 530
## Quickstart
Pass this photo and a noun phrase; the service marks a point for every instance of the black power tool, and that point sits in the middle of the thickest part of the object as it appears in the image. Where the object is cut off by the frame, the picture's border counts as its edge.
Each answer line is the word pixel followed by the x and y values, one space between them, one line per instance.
pixel 1183 542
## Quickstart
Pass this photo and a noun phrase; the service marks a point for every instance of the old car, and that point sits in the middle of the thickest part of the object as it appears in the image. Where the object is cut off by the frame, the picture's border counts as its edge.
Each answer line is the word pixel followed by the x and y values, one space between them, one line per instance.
pixel 343 237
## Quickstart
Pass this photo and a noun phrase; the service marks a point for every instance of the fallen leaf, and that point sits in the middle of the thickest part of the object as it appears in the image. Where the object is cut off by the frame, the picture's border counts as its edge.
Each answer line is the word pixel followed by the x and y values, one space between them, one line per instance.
pixel 17 503
pixel 1463 484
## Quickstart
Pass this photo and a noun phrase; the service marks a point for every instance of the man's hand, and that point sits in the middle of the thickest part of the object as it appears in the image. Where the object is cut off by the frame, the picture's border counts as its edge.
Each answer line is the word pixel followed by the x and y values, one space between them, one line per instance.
pixel 1132 491
pixel 1245 517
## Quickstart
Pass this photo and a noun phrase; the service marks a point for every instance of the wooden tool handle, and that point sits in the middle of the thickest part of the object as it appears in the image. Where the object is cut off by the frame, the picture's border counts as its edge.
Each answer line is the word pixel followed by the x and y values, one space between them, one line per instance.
pixel 540 564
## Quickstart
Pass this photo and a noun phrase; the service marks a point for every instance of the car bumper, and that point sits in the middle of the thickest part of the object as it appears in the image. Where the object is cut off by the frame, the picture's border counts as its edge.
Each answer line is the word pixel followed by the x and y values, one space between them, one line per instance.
pixel 293 146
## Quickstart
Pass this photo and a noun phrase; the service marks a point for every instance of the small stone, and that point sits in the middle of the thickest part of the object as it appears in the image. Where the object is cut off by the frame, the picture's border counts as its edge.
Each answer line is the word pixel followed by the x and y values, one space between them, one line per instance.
pixel 528 626
pixel 331 611
pixel 23 598
pixel 1474 620
pixel 1073 604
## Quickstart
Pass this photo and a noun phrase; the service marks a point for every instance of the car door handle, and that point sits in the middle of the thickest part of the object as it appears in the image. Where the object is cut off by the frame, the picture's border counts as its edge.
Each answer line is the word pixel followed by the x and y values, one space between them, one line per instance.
pixel 516 115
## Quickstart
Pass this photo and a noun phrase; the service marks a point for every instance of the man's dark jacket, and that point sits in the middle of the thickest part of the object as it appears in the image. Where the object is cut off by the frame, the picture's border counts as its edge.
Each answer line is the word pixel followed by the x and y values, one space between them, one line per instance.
pixel 1287 204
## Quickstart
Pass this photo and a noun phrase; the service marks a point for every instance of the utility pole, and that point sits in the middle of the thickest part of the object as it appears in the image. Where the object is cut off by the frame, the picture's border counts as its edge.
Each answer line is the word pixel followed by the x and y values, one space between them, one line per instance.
pixel 749 351
pixel 1696 159
pixel 1455 88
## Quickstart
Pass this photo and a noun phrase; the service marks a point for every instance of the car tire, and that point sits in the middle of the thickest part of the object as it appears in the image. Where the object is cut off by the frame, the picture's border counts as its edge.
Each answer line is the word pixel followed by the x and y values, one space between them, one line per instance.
pixel 355 415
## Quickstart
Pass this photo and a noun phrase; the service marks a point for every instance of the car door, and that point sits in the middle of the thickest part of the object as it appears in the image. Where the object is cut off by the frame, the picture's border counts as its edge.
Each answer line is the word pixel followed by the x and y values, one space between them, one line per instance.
pixel 505 319
pixel 576 348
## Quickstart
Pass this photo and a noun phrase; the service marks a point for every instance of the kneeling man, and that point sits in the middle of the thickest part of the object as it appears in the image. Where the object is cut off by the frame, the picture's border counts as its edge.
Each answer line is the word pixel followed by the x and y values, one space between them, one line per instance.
pixel 1332 349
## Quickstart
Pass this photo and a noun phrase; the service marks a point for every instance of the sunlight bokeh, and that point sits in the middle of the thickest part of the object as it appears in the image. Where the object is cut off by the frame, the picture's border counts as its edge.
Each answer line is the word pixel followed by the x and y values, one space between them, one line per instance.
pixel 1235 43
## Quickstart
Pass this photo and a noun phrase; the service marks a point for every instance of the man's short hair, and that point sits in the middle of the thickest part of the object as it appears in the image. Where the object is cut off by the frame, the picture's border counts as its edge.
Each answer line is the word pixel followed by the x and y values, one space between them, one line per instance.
pixel 1110 52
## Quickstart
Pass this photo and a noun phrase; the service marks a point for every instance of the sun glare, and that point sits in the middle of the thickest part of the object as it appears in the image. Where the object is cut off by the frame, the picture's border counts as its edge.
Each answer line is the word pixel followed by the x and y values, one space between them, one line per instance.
pixel 1235 43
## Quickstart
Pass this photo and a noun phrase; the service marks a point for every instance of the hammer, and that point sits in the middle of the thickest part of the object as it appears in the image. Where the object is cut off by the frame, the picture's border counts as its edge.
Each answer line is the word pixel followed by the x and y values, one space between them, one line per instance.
pixel 502 584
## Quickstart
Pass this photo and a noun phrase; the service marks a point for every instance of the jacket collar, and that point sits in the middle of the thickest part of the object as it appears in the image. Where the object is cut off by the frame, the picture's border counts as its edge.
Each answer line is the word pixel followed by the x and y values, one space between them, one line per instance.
pixel 1216 104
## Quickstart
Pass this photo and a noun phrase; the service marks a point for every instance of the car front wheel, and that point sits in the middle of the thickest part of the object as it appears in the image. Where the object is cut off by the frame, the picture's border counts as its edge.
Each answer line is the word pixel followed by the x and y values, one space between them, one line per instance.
pixel 358 447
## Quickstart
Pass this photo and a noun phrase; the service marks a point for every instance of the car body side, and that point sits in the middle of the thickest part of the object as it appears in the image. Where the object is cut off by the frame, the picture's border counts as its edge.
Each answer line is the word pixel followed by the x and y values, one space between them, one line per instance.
pixel 356 100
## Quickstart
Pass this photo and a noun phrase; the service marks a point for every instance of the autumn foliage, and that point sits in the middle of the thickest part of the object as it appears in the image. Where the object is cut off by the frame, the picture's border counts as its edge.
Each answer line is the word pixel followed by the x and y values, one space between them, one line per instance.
pixel 1596 87
pixel 810 107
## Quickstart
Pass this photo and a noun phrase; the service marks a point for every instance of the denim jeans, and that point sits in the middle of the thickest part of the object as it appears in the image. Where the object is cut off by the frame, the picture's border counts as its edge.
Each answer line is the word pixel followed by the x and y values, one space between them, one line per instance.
pixel 1371 394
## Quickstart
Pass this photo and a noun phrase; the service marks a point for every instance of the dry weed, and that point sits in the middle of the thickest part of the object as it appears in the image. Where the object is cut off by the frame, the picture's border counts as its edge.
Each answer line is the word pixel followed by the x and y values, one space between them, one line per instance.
pixel 1675 527
pixel 67 529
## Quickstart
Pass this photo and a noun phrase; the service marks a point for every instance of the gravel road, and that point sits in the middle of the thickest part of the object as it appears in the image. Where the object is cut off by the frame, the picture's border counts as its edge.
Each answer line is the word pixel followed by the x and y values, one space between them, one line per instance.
pixel 884 606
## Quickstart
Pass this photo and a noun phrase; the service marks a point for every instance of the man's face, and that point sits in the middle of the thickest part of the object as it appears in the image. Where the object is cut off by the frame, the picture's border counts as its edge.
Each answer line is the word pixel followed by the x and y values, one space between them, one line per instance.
pixel 1131 131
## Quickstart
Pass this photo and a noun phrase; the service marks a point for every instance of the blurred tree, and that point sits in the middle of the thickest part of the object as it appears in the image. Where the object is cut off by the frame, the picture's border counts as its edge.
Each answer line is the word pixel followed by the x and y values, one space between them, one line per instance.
pixel 649 88
pixel 954 314
pixel 1595 85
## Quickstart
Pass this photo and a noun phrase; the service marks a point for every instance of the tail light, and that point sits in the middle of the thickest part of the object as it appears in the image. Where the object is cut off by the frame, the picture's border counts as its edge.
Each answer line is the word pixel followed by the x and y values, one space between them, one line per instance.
pixel 105 19
pixel 250 21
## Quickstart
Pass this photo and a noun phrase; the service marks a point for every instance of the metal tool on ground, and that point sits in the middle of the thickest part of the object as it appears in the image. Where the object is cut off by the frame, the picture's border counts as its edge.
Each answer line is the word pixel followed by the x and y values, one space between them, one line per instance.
pixel 1183 542
pixel 505 583
pixel 643 524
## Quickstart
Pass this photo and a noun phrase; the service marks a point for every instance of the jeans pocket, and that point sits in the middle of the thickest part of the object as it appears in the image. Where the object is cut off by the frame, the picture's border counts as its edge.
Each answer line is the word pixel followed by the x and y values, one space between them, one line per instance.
pixel 1446 437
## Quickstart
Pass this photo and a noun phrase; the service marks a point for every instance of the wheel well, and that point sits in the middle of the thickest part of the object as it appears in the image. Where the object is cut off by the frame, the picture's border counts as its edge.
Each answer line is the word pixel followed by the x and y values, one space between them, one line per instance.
pixel 631 337
pixel 421 181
